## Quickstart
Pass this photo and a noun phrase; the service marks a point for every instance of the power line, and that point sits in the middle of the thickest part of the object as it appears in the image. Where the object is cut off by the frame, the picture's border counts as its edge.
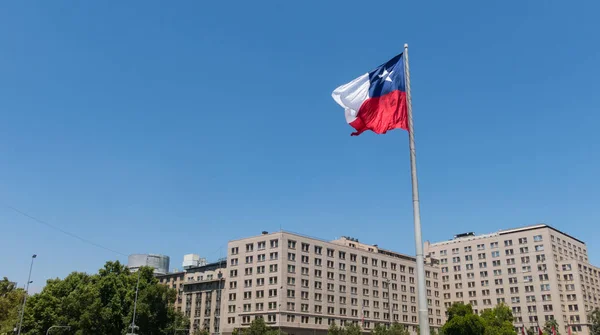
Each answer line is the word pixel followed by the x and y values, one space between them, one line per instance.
pixel 84 240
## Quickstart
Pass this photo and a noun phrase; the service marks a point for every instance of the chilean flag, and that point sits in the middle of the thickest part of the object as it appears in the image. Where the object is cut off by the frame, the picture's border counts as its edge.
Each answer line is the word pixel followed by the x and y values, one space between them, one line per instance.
pixel 376 100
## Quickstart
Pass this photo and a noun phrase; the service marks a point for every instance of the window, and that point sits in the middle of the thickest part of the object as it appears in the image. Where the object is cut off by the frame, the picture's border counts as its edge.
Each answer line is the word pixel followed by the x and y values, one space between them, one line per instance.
pixel 508 243
pixel 273 256
pixel 495 254
pixel 493 245
pixel 305 247
pixel 291 256
pixel 261 245
pixel 318 250
pixel 539 247
pixel 249 247
pixel 291 244
pixel 481 247
pixel 538 238
pixel 274 243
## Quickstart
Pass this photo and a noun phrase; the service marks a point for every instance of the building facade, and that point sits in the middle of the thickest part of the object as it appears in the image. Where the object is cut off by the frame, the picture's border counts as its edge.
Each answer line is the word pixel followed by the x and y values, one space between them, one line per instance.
pixel 160 263
pixel 199 294
pixel 302 285
pixel 540 272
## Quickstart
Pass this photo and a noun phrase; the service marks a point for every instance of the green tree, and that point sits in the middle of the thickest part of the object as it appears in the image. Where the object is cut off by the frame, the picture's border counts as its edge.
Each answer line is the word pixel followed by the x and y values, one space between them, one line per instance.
pixel 380 329
pixel 103 303
pixel 352 329
pixel 594 320
pixel 11 299
pixel 201 332
pixel 335 330
pixel 398 329
pixel 258 327
pixel 498 321
pixel 549 325
pixel 462 321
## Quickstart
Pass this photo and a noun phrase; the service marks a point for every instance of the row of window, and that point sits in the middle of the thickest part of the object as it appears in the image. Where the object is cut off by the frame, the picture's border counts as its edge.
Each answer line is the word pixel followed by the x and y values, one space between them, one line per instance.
pixel 366 324
pixel 318 284
pixel 291 293
pixel 493 245
pixel 319 251
pixel 305 308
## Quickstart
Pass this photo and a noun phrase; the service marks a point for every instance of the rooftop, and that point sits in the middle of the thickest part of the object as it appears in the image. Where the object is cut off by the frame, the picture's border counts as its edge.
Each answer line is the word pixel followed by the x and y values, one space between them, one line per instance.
pixel 339 242
pixel 471 236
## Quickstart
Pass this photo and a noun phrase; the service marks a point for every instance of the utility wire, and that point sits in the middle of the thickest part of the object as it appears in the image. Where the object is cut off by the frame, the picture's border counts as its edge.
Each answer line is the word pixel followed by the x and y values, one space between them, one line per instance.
pixel 84 240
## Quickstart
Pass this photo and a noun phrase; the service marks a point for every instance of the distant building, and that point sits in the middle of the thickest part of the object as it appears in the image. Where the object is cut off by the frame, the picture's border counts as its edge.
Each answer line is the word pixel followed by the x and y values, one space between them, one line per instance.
pixel 160 263
pixel 303 285
pixel 199 291
pixel 538 271
pixel 192 261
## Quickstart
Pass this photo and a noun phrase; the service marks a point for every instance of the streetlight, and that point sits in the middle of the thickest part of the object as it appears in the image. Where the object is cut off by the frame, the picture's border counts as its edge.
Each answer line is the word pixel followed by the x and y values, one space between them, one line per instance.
pixel 26 294
pixel 48 331
pixel 137 288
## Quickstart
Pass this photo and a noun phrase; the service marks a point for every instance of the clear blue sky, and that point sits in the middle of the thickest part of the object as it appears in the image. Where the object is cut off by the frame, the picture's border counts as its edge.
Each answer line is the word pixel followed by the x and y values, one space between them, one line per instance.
pixel 149 126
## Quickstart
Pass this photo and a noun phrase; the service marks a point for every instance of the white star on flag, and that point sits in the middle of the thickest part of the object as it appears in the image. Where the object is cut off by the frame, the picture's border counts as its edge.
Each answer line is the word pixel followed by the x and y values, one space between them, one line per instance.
pixel 386 75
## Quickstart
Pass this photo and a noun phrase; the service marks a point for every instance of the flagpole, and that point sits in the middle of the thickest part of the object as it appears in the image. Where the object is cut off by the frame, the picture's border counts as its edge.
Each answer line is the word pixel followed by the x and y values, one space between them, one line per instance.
pixel 423 308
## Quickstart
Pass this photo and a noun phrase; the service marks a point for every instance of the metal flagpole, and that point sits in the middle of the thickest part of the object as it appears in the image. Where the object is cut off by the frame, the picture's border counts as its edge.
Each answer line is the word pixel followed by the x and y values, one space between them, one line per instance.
pixel 423 317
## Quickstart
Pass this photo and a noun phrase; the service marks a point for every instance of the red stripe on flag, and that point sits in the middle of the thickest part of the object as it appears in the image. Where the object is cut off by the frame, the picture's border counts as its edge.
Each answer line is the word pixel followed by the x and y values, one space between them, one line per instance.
pixel 381 114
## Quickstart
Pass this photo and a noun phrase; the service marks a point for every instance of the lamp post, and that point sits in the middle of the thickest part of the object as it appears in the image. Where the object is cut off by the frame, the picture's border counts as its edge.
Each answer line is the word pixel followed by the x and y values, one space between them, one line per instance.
pixel 66 327
pixel 137 288
pixel 26 294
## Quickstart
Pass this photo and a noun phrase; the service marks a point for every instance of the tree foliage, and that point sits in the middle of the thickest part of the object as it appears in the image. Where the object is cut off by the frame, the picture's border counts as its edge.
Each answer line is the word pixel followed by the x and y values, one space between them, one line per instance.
pixel 103 303
pixel 462 321
pixel 594 320
pixel 203 331
pixel 498 321
pixel 11 299
pixel 394 329
pixel 549 325
pixel 258 327
pixel 350 329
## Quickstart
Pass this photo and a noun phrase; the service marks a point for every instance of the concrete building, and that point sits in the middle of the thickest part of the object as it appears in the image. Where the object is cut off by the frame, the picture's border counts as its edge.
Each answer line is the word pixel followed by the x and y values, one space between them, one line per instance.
pixel 199 292
pixel 160 263
pixel 540 272
pixel 302 284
